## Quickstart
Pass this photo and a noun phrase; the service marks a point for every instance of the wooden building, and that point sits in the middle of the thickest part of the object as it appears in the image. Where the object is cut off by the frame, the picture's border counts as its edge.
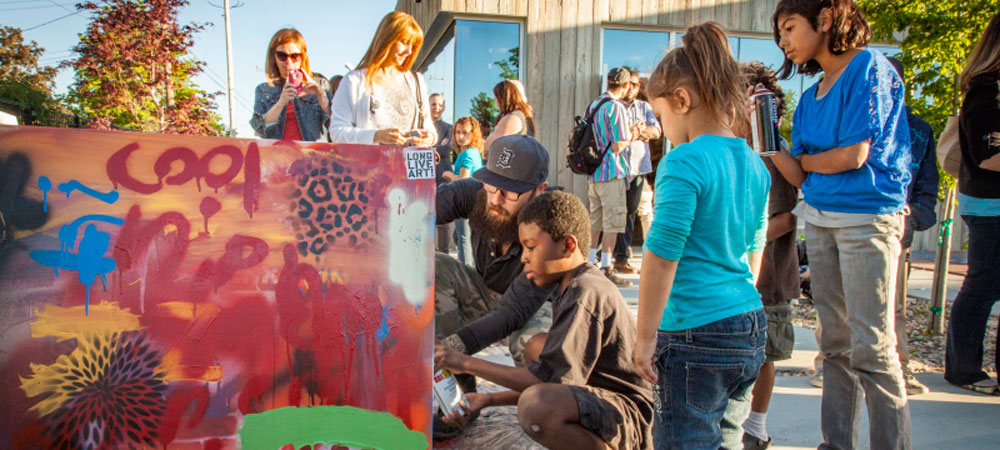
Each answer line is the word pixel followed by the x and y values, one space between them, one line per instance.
pixel 563 43
pixel 564 48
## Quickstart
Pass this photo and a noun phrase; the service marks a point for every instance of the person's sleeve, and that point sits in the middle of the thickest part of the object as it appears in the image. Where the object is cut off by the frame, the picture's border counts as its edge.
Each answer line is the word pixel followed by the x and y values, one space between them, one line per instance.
pixel 760 234
pixel 570 360
pixel 455 200
pixel 463 161
pixel 618 118
pixel 797 147
pixel 344 114
pixel 980 121
pixel 260 107
pixel 426 109
pixel 867 102
pixel 651 120
pixel 328 92
pixel 677 188
pixel 925 182
pixel 516 306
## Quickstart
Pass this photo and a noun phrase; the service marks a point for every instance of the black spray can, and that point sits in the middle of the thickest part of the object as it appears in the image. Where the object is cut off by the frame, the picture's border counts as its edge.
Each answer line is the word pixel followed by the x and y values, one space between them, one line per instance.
pixel 764 123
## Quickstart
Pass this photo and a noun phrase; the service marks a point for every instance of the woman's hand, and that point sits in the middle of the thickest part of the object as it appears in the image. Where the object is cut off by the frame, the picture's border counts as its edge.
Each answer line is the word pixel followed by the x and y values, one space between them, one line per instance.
pixel 476 403
pixel 389 136
pixel 310 86
pixel 288 93
pixel 424 140
pixel 446 357
pixel 642 357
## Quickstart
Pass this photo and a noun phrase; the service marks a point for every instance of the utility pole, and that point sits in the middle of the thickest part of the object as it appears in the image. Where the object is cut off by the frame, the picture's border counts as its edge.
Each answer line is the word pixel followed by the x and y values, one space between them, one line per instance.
pixel 229 69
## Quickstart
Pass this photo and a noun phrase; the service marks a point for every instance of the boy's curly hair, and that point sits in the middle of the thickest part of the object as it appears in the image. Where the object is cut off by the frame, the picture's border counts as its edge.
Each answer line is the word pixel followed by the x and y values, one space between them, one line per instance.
pixel 848 29
pixel 754 73
pixel 559 214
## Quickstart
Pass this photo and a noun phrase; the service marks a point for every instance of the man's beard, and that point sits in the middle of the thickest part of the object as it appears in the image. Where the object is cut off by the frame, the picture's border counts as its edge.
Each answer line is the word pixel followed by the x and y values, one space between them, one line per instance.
pixel 501 226
pixel 629 98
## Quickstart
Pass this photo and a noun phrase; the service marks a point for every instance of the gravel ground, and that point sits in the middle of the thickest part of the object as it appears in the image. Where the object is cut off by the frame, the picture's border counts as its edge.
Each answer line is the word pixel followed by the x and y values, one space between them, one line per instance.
pixel 926 350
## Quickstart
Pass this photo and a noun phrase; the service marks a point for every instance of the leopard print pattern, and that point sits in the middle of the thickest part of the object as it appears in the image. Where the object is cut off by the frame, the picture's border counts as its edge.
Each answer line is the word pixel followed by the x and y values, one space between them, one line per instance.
pixel 330 206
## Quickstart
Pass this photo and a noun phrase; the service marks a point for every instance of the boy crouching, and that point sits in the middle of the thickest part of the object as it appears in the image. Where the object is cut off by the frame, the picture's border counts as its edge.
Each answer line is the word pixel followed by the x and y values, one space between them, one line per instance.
pixel 579 390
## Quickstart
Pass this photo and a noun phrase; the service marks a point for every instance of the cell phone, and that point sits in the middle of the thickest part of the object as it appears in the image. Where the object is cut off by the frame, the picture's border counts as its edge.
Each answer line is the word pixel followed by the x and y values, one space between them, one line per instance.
pixel 414 133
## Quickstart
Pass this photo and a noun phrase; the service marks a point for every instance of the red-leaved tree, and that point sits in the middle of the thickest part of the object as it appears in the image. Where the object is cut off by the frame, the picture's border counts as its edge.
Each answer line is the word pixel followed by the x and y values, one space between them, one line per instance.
pixel 134 70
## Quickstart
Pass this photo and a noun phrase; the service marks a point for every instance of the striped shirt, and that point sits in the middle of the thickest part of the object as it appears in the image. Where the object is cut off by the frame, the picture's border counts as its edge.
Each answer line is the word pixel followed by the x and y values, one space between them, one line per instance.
pixel 611 125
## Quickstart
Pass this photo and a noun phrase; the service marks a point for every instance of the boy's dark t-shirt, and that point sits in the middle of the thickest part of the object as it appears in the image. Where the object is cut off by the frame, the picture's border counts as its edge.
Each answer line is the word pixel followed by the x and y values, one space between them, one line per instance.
pixel 779 267
pixel 591 340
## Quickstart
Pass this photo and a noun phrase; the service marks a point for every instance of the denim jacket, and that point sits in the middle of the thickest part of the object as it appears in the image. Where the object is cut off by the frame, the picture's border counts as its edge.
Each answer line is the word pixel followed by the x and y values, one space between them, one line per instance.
pixel 313 121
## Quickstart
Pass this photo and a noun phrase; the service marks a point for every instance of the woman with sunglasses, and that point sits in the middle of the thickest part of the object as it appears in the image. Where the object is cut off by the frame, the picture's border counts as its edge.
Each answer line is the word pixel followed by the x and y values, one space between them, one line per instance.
pixel 292 104
pixel 382 101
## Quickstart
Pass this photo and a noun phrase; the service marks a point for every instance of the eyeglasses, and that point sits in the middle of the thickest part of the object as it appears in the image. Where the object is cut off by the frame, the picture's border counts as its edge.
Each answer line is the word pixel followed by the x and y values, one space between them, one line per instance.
pixel 282 56
pixel 507 195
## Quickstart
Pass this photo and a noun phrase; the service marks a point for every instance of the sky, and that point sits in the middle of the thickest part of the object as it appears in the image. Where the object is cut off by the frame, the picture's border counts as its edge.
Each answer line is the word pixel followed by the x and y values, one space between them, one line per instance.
pixel 337 32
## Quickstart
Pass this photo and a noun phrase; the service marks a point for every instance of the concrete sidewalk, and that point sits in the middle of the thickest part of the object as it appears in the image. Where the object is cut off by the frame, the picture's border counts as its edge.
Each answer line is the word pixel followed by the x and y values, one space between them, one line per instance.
pixel 945 418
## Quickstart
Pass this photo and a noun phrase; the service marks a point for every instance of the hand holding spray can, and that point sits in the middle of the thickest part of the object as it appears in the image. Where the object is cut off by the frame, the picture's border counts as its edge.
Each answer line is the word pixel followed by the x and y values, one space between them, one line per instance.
pixel 764 122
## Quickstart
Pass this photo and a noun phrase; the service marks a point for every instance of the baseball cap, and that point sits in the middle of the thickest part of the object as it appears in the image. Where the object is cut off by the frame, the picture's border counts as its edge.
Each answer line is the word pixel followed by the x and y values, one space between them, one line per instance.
pixel 619 76
pixel 517 163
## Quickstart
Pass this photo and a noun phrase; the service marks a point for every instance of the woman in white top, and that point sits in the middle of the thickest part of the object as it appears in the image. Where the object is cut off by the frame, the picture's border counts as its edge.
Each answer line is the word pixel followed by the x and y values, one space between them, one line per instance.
pixel 382 102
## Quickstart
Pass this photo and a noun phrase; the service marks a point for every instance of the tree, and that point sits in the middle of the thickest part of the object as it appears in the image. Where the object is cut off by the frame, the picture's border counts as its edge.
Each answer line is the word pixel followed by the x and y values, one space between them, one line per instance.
pixel 485 110
pixel 22 79
pixel 509 67
pixel 134 70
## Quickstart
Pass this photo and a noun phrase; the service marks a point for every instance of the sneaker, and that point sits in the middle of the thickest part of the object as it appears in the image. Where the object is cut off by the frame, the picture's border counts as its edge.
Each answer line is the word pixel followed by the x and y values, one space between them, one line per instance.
pixel 913 385
pixel 625 267
pixel 751 442
pixel 816 379
pixel 617 280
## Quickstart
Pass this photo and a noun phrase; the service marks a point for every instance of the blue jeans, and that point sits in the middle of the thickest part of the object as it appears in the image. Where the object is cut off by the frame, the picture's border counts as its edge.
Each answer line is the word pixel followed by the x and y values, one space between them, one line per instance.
pixel 705 376
pixel 971 310
pixel 463 241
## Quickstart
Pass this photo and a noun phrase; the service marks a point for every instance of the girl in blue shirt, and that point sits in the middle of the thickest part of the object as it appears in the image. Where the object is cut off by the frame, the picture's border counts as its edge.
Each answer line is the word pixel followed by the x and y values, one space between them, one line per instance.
pixel 701 325
pixel 467 142
pixel 850 139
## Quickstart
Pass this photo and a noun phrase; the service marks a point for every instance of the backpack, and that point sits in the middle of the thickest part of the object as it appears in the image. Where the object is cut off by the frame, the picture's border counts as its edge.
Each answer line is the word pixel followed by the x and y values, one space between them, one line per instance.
pixel 585 155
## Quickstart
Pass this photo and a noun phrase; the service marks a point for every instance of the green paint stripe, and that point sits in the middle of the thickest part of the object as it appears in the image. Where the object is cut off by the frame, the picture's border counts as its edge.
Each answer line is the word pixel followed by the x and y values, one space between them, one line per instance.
pixel 340 425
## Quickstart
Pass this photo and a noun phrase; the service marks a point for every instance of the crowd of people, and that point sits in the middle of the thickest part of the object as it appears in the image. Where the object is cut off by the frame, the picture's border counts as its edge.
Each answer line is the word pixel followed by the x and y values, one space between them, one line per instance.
pixel 720 261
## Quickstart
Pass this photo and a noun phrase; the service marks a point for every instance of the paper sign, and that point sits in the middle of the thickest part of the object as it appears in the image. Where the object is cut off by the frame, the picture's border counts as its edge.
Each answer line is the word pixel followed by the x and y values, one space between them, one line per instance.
pixel 419 164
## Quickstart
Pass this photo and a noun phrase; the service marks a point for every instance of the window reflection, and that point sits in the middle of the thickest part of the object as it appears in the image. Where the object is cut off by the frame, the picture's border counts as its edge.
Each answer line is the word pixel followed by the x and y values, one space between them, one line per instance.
pixel 640 50
pixel 439 72
pixel 485 54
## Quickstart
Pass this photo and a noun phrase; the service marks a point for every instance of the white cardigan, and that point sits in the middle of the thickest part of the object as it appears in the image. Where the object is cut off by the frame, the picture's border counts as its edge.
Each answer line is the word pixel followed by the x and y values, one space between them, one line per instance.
pixel 351 118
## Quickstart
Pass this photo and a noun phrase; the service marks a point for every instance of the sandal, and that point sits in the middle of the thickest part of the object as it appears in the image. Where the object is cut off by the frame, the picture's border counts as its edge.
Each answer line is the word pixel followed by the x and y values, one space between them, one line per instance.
pixel 987 389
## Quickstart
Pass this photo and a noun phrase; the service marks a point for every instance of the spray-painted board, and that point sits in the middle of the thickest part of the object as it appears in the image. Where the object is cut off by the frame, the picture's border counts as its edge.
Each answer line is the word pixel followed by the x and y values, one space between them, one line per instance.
pixel 161 291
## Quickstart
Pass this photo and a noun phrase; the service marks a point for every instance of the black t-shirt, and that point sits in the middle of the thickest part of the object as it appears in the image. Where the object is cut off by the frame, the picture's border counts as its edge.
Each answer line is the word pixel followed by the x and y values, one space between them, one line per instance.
pixel 979 135
pixel 779 267
pixel 592 339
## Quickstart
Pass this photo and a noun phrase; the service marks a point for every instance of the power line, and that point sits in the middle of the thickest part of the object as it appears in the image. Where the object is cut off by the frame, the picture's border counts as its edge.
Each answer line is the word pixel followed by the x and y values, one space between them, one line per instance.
pixel 25 8
pixel 51 21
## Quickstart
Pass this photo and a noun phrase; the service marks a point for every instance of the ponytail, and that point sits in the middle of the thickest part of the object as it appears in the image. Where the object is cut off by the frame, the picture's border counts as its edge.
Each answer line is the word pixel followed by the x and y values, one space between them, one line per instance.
pixel 705 65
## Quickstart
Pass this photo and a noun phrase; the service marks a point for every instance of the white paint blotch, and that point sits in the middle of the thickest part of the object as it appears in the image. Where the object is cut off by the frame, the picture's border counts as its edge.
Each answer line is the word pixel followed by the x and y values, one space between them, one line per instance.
pixel 409 225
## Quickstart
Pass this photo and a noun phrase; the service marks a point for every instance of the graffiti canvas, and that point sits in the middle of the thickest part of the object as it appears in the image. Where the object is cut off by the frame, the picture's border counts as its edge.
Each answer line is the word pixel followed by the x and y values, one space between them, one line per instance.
pixel 182 292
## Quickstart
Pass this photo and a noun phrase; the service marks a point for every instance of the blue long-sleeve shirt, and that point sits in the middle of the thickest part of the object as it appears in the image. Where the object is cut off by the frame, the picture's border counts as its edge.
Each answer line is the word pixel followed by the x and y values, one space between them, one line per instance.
pixel 710 210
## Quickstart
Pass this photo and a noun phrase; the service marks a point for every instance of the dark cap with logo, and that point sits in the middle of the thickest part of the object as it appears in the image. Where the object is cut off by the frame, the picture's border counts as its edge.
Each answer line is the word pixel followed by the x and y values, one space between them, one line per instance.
pixel 517 163
pixel 619 76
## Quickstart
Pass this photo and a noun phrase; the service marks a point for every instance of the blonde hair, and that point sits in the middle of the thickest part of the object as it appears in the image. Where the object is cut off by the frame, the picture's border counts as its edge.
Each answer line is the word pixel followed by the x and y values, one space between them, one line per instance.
pixel 281 37
pixel 985 56
pixel 475 141
pixel 396 26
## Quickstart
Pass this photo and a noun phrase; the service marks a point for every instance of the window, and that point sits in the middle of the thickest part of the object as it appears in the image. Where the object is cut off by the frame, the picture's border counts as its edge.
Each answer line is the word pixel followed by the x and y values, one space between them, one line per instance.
pixel 640 50
pixel 471 58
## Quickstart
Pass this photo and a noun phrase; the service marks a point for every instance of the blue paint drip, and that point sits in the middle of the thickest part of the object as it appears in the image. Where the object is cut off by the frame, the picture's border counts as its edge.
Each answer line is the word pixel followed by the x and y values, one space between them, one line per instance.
pixel 45 185
pixel 383 329
pixel 90 262
pixel 74 185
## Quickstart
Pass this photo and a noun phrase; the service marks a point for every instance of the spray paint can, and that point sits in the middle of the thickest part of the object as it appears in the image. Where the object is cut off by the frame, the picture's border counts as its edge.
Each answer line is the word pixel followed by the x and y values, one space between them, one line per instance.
pixel 764 122
pixel 447 394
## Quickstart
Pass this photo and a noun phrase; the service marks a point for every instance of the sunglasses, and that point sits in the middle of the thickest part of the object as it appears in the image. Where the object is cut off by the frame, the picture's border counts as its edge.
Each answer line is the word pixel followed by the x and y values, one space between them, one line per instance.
pixel 282 56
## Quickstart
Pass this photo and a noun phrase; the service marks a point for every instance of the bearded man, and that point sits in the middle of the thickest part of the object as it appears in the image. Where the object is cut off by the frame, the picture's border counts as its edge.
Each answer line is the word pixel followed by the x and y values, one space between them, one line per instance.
pixel 475 307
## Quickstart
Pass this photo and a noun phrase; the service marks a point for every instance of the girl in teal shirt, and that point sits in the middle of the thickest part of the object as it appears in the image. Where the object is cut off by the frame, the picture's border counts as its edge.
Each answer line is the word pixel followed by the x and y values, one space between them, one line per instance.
pixel 467 142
